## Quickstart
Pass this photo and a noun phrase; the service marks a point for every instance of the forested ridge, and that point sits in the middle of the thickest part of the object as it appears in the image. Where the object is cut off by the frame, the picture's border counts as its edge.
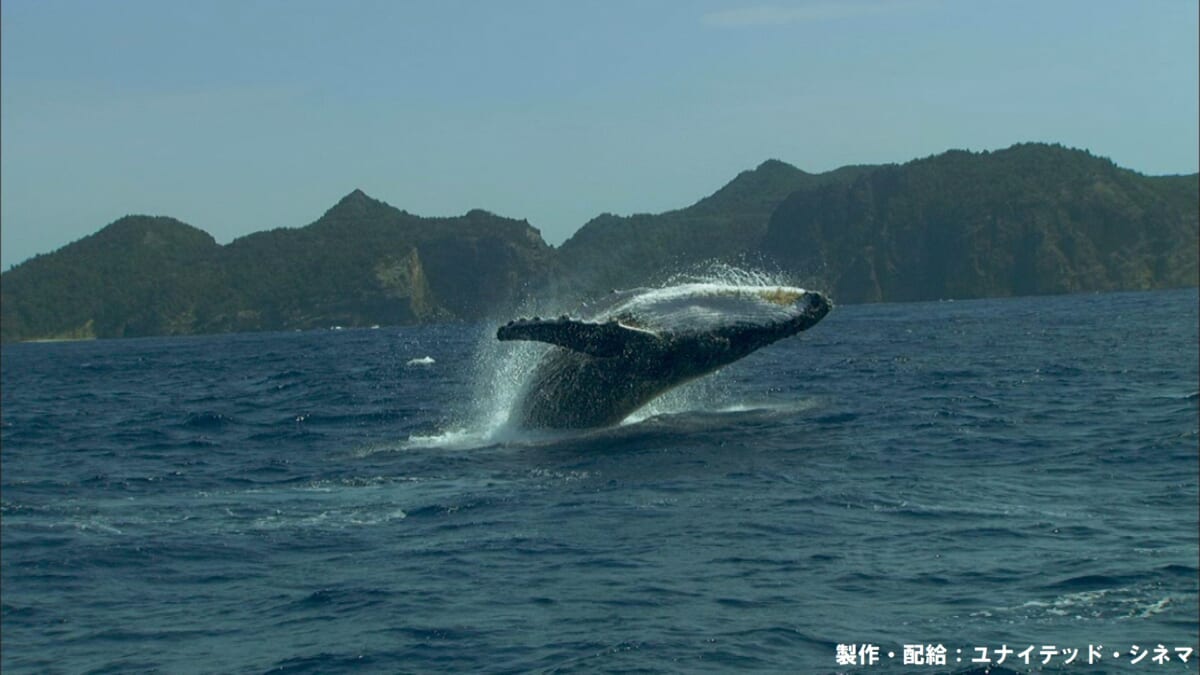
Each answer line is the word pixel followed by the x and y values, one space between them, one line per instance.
pixel 362 263
pixel 1030 219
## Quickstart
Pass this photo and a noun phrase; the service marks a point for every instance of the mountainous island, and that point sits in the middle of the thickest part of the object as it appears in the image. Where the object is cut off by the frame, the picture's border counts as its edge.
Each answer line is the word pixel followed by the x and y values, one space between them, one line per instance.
pixel 1030 219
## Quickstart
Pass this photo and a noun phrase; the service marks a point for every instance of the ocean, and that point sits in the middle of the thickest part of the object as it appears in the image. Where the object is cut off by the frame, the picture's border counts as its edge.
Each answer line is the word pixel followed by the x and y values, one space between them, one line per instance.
pixel 949 484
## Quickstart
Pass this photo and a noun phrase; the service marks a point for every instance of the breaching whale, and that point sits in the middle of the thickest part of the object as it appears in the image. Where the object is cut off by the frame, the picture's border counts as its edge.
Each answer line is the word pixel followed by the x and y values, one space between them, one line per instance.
pixel 635 345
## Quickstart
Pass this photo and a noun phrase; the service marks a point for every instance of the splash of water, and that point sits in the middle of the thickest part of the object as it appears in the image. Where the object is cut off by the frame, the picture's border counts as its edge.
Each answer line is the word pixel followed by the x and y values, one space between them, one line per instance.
pixel 501 373
pixel 498 375
pixel 723 274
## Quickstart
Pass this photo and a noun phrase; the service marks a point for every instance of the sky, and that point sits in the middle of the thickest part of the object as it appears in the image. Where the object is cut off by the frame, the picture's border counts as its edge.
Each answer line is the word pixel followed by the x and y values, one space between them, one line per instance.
pixel 243 115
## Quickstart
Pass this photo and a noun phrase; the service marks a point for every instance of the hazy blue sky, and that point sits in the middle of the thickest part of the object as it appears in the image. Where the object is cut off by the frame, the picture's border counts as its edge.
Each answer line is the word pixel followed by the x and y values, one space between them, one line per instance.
pixel 236 116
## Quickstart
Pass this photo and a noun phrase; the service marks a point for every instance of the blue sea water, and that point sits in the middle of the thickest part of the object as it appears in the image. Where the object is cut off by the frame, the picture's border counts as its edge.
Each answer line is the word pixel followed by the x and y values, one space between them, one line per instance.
pixel 976 475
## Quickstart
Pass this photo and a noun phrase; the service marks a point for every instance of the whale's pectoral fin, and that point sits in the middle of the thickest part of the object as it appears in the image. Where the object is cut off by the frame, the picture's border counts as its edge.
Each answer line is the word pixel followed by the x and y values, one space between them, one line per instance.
pixel 594 339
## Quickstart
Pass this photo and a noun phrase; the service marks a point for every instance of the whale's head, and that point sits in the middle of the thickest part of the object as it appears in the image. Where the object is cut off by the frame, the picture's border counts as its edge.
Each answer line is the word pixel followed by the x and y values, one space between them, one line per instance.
pixel 710 325
pixel 720 309
pixel 801 308
pixel 766 315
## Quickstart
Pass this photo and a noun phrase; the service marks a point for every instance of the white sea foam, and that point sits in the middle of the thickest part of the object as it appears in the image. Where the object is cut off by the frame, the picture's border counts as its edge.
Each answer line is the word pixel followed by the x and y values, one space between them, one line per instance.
pixel 1153 608
pixel 1139 601
pixel 451 439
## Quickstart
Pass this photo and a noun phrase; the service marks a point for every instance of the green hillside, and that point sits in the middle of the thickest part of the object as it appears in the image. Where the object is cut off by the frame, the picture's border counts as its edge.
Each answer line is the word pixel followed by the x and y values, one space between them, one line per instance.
pixel 362 263
pixel 1030 219
pixel 622 251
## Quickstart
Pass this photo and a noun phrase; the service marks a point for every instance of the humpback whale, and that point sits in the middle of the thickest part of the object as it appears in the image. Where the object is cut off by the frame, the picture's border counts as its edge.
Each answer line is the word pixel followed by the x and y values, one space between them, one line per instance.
pixel 637 344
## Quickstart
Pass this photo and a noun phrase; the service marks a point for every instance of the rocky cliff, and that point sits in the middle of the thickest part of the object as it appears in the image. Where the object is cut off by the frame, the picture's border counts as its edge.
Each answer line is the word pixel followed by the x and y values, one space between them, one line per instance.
pixel 362 263
pixel 1031 219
